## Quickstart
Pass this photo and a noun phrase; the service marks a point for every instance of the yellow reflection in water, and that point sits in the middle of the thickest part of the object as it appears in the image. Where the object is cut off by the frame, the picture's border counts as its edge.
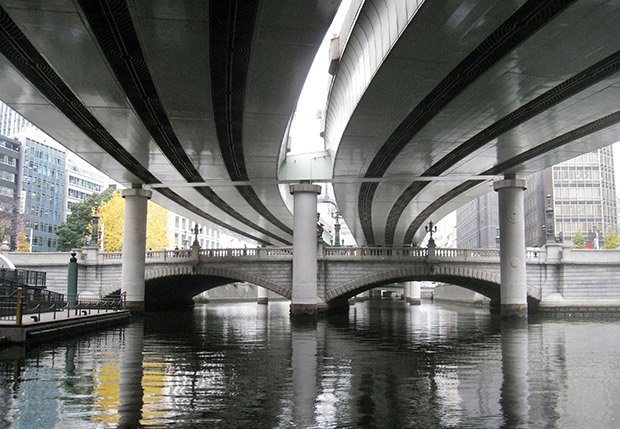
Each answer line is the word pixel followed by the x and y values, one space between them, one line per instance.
pixel 107 393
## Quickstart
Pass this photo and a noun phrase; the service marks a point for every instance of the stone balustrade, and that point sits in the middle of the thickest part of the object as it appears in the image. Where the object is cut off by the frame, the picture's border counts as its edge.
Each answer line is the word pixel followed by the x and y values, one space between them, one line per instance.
pixel 556 275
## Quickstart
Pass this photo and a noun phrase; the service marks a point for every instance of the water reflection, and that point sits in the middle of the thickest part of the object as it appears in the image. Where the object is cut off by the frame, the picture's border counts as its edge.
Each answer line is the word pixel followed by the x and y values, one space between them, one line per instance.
pixel 304 366
pixel 515 384
pixel 131 373
pixel 386 364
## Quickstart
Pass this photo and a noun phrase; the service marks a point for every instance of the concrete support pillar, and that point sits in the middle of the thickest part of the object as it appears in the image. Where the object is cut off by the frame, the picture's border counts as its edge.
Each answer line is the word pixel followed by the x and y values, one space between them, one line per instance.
pixel 412 293
pixel 262 295
pixel 134 247
pixel 513 289
pixel 304 296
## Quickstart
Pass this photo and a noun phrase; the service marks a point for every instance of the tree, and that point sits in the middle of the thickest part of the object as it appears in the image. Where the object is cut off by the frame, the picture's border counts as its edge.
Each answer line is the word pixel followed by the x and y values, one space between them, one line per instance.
pixel 9 220
pixel 22 242
pixel 156 226
pixel 75 230
pixel 112 214
pixel 611 240
pixel 579 241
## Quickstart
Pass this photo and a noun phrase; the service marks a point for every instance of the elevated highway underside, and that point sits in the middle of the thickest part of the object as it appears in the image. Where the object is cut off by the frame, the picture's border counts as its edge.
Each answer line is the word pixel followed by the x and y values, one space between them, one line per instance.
pixel 431 101
pixel 435 100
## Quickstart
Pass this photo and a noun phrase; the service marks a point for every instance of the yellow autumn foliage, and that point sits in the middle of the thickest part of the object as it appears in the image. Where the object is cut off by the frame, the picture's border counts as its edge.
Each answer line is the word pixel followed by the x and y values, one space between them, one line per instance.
pixel 22 242
pixel 112 214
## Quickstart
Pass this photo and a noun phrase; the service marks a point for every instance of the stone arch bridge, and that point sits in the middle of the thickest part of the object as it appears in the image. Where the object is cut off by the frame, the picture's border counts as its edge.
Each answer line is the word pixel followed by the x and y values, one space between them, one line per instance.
pixel 556 276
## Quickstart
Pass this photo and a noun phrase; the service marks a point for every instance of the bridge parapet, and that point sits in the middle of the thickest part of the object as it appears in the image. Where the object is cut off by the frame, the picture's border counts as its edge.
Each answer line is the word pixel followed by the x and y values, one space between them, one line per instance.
pixel 259 253
pixel 372 253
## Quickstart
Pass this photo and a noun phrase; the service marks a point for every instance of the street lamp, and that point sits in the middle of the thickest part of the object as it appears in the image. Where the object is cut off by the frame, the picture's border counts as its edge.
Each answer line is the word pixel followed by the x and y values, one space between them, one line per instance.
pixel 549 229
pixel 431 229
pixel 94 236
pixel 197 231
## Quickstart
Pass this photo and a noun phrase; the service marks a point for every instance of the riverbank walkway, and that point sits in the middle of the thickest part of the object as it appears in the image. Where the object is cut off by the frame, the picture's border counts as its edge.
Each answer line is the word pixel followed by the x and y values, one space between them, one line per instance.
pixel 48 325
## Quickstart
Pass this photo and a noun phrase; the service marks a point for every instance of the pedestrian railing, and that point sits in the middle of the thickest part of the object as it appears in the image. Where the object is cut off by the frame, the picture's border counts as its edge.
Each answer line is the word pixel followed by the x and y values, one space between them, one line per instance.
pixel 27 302
pixel 23 277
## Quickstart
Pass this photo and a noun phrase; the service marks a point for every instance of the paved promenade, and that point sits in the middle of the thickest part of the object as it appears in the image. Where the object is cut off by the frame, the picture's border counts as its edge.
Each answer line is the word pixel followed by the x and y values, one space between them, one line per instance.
pixel 46 326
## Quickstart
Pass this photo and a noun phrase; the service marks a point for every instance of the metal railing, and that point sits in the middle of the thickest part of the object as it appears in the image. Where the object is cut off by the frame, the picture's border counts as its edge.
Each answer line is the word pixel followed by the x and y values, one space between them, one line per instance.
pixel 32 302
pixel 23 277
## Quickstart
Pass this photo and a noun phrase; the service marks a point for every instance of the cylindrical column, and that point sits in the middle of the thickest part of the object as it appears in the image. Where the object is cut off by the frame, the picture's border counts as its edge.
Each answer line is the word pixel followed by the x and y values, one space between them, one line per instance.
pixel 304 296
pixel 413 293
pixel 262 295
pixel 513 289
pixel 134 247
pixel 72 281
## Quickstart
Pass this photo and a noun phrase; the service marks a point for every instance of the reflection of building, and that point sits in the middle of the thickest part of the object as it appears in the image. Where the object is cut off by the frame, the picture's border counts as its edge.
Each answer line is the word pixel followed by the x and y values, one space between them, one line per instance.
pixel 582 192
pixel 43 190
pixel 10 187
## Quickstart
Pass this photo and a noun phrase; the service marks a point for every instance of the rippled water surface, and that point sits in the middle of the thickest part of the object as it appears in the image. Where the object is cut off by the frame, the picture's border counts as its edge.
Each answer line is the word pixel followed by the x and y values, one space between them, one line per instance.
pixel 386 364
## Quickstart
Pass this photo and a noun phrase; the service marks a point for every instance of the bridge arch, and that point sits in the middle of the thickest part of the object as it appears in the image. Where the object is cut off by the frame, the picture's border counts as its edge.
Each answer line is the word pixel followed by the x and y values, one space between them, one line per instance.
pixel 481 281
pixel 196 278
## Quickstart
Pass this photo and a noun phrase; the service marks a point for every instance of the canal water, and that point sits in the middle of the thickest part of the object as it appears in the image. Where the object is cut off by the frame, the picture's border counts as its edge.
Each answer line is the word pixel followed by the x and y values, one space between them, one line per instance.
pixel 385 365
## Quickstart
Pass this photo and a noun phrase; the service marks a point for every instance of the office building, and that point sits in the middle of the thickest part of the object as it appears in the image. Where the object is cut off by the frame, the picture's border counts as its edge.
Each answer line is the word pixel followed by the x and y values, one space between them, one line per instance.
pixel 43 189
pixel 10 190
pixel 581 192
pixel 11 122
pixel 82 181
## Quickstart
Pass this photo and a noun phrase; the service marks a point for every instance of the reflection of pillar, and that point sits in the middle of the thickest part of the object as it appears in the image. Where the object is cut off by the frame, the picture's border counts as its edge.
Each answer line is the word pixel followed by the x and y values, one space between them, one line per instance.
pixel 262 294
pixel 130 383
pixel 134 247
pixel 304 296
pixel 515 387
pixel 513 287
pixel 304 364
pixel 413 296
pixel 70 360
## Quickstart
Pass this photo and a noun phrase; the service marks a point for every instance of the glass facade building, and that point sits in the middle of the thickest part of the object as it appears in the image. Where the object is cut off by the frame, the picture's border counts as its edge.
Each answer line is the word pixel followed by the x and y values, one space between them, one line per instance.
pixel 82 181
pixel 582 193
pixel 44 193
pixel 10 189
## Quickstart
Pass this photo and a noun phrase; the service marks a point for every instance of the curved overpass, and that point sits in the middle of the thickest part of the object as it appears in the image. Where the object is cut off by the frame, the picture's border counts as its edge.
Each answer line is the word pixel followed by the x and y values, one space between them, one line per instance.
pixel 431 101
pixel 434 100
pixel 190 98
